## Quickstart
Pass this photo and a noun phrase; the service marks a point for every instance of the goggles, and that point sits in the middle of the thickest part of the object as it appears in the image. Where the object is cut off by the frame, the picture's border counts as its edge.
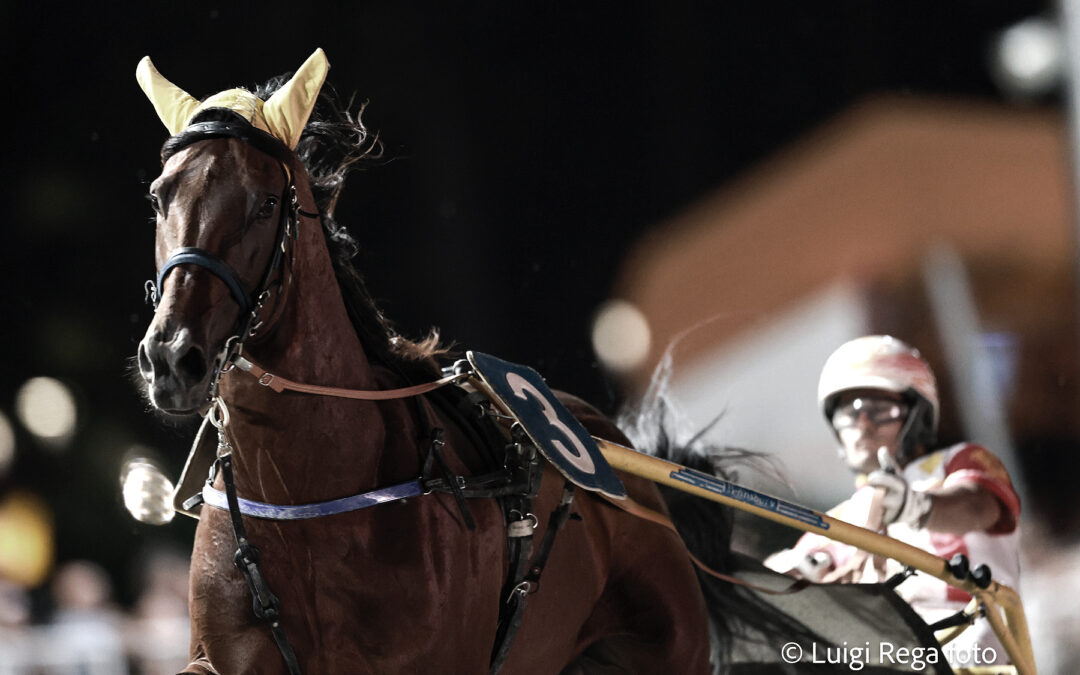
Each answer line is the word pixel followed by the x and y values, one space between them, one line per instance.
pixel 879 411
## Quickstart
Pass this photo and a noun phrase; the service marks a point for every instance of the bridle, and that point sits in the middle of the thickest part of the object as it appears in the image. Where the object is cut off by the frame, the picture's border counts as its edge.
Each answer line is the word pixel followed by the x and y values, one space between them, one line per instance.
pixel 249 322
pixel 514 481
pixel 279 268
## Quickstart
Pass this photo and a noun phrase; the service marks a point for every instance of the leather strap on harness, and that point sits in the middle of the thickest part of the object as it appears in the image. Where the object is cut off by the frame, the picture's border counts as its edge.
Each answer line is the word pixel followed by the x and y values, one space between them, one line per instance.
pixel 513 612
pixel 280 384
pixel 266 605
pixel 435 458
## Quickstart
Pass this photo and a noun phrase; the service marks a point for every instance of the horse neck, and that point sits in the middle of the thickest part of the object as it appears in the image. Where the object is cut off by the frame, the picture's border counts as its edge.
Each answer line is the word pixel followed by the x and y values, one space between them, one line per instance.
pixel 315 340
pixel 294 447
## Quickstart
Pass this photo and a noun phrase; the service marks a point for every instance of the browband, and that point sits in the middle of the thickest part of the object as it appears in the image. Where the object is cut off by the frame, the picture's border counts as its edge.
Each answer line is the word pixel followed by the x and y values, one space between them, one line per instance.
pixel 238 128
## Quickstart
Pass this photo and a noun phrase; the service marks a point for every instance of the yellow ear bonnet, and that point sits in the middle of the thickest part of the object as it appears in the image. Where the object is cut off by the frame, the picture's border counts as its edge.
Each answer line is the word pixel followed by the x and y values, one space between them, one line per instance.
pixel 283 115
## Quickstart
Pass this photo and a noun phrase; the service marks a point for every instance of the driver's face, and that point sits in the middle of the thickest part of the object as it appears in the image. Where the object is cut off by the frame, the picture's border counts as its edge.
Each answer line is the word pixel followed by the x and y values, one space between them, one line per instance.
pixel 866 420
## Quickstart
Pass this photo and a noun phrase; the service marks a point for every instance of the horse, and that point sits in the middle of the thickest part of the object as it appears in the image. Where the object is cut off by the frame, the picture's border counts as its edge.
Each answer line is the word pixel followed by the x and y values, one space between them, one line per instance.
pixel 255 287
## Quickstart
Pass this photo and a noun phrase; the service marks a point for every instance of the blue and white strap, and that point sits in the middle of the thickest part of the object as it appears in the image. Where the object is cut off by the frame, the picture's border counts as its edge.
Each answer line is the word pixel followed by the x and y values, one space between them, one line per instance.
pixel 217 499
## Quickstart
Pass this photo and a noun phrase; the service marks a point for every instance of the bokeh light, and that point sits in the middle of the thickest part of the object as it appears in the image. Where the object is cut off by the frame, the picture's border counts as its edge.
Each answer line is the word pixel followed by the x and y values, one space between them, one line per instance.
pixel 26 539
pixel 1029 58
pixel 7 444
pixel 621 336
pixel 46 407
pixel 147 492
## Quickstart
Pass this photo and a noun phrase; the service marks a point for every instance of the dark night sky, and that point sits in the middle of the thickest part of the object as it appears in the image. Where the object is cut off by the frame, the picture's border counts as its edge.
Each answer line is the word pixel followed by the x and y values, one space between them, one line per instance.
pixel 532 144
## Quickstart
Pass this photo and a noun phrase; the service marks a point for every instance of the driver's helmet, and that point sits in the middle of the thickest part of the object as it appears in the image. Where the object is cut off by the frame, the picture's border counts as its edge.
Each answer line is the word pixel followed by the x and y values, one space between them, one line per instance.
pixel 882 362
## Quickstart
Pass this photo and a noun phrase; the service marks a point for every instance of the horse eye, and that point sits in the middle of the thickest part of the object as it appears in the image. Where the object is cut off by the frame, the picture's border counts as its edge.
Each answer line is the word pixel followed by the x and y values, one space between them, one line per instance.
pixel 154 202
pixel 267 209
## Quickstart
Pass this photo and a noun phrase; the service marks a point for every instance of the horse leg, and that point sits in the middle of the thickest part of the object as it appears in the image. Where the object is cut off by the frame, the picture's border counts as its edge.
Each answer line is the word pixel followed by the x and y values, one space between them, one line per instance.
pixel 651 615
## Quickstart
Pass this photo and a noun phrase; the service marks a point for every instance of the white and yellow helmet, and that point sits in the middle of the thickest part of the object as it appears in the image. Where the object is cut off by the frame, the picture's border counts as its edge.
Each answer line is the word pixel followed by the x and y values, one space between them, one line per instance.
pixel 882 362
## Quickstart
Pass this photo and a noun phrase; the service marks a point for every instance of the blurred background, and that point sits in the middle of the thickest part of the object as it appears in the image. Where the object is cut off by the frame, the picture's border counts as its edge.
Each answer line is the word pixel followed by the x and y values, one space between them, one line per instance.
pixel 575 186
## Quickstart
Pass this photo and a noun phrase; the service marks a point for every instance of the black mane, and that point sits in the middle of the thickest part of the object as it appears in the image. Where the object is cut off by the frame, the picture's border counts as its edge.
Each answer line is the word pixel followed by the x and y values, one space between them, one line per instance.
pixel 334 143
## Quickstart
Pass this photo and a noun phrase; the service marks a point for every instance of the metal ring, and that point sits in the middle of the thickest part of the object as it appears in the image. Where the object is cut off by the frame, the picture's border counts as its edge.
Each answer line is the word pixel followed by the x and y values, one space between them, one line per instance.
pixel 526 516
pixel 218 413
pixel 266 378
pixel 462 367
pixel 225 357
pixel 522 588
pixel 151 293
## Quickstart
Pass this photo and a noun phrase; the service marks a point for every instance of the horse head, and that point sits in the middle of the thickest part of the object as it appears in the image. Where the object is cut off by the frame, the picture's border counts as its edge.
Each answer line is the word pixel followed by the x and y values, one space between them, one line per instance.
pixel 226 208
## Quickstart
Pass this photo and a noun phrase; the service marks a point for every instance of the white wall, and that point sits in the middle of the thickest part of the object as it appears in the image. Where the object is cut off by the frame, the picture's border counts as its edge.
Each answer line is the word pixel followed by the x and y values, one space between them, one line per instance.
pixel 765 384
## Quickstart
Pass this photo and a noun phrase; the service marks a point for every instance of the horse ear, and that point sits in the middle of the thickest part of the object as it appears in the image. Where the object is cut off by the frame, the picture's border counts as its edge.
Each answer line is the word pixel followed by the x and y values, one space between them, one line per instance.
pixel 287 111
pixel 173 105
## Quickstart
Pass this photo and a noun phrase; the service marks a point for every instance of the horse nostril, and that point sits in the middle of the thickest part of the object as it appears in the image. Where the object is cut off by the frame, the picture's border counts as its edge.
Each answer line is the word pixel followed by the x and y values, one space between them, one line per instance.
pixel 192 364
pixel 152 359
pixel 145 368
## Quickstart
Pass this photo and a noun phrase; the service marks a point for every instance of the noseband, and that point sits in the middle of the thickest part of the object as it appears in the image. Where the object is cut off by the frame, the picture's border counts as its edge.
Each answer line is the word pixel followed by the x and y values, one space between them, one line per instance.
pixel 216 266
pixel 247 322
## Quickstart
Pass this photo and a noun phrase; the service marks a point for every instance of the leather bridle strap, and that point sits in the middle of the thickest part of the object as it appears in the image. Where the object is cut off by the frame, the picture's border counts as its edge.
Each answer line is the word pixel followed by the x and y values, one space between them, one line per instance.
pixel 280 384
pixel 288 222
pixel 216 266
pixel 202 258
pixel 237 128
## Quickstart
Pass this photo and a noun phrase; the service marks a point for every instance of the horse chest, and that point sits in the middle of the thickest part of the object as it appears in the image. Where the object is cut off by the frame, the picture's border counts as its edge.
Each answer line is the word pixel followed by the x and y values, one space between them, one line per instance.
pixel 383 585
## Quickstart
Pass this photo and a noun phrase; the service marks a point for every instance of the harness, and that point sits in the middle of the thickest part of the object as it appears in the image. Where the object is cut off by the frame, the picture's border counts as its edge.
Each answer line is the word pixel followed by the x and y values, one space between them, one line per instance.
pixel 514 485
pixel 514 482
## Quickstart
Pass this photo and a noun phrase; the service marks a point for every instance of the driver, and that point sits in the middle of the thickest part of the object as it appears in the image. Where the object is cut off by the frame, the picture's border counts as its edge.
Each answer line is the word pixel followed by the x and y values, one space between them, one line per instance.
pixel 880 398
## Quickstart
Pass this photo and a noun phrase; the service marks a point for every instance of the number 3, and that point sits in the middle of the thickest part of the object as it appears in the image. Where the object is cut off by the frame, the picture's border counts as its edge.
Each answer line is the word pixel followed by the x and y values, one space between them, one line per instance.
pixel 579 458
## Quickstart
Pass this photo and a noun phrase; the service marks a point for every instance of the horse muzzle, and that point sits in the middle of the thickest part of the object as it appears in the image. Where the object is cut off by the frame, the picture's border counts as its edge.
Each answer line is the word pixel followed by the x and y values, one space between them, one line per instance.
pixel 175 369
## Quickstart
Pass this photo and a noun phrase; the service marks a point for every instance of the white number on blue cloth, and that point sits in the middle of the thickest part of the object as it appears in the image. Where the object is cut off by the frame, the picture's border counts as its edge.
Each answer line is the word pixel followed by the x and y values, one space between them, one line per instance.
pixel 559 436
pixel 579 458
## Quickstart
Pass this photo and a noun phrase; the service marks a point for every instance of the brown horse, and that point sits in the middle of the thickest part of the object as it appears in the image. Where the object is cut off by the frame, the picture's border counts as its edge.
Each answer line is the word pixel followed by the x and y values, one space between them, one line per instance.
pixel 409 586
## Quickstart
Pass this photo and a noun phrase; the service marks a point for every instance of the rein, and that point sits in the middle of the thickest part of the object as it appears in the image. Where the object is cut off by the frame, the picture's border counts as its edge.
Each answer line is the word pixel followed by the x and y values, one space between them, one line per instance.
pixel 280 384
pixel 216 498
pixel 518 481
pixel 524 576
